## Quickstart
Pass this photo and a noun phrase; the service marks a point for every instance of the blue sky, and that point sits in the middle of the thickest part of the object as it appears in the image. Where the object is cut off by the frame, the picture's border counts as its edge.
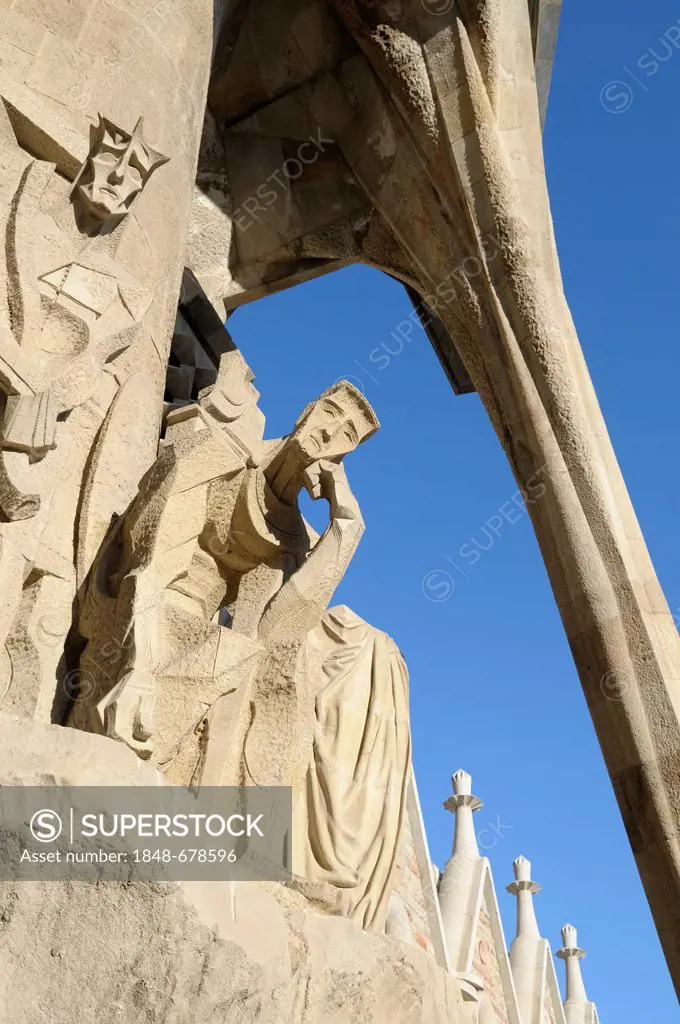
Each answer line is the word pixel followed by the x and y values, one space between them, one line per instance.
pixel 493 686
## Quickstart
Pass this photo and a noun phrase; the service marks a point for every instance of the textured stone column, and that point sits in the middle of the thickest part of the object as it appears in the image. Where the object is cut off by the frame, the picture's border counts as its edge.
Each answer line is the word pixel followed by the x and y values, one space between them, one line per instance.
pixel 101 109
pixel 471 918
pixel 460 882
pixel 577 1007
pixel 448 147
pixel 527 951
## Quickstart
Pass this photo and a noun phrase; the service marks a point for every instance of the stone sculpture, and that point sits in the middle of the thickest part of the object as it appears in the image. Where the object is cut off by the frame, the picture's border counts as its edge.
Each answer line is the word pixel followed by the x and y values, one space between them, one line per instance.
pixel 403 135
pixel 213 528
pixel 93 227
pixel 153 566
pixel 117 168
pixel 71 311
pixel 349 812
pixel 216 536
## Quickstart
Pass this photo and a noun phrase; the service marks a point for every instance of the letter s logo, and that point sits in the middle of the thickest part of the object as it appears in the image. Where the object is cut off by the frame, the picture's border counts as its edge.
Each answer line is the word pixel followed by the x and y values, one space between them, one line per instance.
pixel 46 826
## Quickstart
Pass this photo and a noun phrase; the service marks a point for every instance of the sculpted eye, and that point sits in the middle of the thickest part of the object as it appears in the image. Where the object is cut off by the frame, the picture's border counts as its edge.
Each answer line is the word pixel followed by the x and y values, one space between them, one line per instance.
pixel 137 171
pixel 134 176
pixel 331 411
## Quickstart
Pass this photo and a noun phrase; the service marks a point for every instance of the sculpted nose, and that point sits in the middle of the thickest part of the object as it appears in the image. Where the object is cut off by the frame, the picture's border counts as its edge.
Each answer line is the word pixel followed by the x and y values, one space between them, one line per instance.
pixel 115 177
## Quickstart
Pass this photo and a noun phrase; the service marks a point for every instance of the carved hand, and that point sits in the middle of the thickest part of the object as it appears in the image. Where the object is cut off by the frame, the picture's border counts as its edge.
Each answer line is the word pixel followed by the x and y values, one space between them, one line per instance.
pixel 320 479
pixel 326 479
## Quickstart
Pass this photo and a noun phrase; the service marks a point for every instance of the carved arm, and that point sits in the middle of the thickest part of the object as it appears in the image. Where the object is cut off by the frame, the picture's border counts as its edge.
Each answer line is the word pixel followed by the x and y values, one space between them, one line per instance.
pixel 305 596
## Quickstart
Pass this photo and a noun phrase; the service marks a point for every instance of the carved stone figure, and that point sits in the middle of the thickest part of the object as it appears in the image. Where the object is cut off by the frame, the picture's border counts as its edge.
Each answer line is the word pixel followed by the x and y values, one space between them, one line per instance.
pixel 117 168
pixel 29 426
pixel 216 529
pixel 210 650
pixel 71 309
pixel 348 814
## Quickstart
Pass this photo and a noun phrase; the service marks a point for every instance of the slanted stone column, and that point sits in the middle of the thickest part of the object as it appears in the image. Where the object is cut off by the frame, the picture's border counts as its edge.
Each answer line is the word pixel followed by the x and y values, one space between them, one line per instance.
pixel 577 1007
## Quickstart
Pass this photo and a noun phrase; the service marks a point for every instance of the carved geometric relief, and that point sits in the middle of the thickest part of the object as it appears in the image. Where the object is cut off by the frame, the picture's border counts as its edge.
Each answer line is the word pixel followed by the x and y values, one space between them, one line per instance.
pixel 88 289
pixel 117 168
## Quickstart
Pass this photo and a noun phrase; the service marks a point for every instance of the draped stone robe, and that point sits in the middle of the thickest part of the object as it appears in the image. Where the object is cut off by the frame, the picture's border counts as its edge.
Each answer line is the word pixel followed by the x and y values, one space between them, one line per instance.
pixel 350 813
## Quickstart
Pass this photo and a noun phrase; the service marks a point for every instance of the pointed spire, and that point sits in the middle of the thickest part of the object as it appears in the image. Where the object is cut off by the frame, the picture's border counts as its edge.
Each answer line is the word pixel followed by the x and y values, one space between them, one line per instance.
pixel 577 1008
pixel 524 889
pixel 463 804
pixel 459 885
pixel 528 949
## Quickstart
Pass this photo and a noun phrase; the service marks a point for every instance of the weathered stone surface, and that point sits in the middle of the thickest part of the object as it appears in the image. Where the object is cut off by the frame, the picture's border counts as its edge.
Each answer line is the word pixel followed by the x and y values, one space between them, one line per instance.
pixel 191 953
pixel 181 955
pixel 99 138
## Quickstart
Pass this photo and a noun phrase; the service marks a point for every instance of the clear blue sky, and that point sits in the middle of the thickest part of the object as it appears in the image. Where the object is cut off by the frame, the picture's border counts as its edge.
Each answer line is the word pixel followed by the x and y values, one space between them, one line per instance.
pixel 493 686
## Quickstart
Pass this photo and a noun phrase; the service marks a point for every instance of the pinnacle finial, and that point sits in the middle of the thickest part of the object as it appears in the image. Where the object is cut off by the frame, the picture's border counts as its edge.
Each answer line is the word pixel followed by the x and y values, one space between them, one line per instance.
pixel 571 953
pixel 523 888
pixel 522 883
pixel 462 783
pixel 570 948
pixel 522 868
pixel 463 804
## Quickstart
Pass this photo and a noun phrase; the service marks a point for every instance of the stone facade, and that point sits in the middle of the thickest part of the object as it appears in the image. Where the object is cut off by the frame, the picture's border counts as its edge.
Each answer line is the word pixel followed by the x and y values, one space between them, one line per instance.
pixel 166 613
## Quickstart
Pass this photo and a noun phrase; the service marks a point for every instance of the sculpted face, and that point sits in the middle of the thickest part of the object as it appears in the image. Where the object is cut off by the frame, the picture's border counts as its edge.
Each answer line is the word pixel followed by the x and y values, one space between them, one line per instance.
pixel 117 168
pixel 333 425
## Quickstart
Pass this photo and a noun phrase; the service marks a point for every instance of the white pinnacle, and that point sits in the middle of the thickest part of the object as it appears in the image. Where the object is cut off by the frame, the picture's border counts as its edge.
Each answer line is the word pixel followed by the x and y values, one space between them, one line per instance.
pixel 524 889
pixel 463 804
pixel 459 885
pixel 572 955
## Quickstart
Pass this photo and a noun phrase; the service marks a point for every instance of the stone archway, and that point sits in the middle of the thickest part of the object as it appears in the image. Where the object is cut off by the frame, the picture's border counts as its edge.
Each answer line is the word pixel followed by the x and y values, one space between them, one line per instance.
pixel 410 139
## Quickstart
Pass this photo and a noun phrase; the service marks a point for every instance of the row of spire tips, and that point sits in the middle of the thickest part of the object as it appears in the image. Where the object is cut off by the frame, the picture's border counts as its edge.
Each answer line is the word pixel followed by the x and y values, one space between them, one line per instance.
pixel 463 804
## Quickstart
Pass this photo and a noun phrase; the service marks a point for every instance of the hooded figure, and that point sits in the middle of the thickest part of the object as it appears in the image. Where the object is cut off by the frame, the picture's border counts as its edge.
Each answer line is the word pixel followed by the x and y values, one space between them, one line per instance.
pixel 351 810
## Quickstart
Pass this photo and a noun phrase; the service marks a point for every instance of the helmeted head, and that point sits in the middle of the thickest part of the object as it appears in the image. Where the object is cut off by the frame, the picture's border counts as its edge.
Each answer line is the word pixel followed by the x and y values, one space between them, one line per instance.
pixel 116 170
pixel 336 423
